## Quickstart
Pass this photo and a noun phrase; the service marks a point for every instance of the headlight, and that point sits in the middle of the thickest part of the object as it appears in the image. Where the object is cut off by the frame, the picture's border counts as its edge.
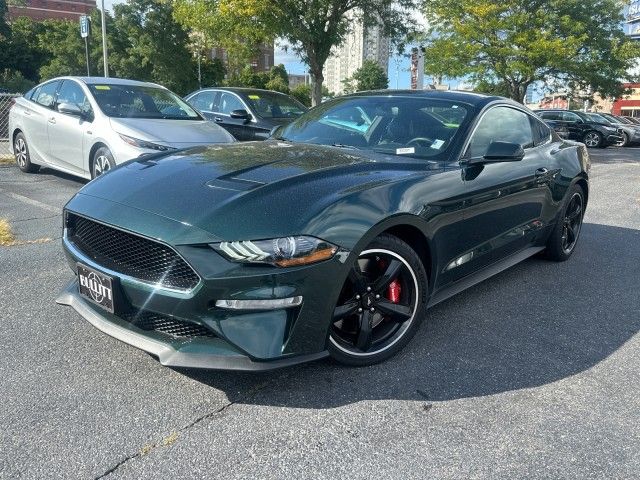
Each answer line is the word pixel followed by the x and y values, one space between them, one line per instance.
pixel 282 252
pixel 136 142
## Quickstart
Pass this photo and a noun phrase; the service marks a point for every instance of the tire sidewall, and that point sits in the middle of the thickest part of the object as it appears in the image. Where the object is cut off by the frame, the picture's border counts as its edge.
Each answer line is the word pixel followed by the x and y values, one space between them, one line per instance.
pixel 28 166
pixel 399 247
pixel 107 153
pixel 554 249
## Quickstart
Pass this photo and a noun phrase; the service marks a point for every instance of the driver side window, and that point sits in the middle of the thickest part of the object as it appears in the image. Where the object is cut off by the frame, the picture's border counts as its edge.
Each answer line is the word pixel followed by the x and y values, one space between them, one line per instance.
pixel 500 124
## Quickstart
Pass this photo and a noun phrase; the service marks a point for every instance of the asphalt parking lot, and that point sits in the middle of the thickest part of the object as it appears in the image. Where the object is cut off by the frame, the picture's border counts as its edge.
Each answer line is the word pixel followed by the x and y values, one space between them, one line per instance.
pixel 534 373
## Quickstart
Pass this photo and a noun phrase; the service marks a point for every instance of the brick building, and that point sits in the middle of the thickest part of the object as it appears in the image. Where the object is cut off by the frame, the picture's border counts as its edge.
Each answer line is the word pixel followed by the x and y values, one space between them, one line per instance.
pixel 628 105
pixel 55 9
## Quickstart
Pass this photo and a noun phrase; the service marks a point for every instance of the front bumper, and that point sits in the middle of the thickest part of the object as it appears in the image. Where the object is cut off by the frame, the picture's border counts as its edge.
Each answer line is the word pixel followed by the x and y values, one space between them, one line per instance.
pixel 614 138
pixel 211 354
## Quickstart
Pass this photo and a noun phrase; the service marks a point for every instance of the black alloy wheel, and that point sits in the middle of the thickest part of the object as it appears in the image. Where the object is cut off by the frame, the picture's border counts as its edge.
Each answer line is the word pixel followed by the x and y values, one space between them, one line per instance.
pixel 624 142
pixel 381 304
pixel 564 236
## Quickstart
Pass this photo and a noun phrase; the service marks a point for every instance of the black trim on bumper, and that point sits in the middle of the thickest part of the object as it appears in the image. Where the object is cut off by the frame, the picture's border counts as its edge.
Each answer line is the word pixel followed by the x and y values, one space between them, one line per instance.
pixel 167 355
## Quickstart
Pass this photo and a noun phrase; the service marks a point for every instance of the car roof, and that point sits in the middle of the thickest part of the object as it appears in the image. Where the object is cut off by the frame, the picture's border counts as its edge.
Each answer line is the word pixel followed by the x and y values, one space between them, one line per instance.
pixel 462 96
pixel 244 90
pixel 109 81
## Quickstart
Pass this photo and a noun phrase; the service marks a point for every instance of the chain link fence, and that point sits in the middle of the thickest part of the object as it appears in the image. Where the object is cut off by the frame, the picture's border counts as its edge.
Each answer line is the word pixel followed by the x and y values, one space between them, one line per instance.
pixel 6 101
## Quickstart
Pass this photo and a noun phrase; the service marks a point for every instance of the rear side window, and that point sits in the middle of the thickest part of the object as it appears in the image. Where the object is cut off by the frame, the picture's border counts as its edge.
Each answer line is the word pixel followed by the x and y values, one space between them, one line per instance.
pixel 571 117
pixel 46 94
pixel 541 132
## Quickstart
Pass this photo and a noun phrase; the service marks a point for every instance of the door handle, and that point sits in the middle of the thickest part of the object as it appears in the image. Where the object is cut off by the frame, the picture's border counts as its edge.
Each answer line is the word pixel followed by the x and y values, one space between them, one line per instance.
pixel 52 120
pixel 217 119
pixel 26 112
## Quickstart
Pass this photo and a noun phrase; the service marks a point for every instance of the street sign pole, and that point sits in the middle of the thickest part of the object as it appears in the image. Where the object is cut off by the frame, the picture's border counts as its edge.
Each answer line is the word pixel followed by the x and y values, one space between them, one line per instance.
pixel 85 31
pixel 104 43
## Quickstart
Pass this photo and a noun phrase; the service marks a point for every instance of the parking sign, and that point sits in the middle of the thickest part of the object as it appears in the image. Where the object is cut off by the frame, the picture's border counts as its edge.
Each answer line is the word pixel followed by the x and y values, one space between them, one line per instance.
pixel 84 26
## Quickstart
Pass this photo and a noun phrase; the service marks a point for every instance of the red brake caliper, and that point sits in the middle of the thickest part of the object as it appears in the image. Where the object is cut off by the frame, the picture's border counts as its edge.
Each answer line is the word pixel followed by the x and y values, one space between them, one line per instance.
pixel 393 292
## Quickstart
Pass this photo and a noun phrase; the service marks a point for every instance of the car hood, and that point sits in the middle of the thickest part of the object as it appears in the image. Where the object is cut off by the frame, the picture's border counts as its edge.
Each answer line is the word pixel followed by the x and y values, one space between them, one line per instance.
pixel 232 190
pixel 173 132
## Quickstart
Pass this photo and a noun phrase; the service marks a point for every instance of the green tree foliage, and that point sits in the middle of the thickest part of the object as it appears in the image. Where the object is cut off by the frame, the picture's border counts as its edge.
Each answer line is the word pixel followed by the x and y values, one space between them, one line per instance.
pixel 276 79
pixel 370 76
pixel 312 28
pixel 518 42
pixel 302 93
pixel 12 81
pixel 149 45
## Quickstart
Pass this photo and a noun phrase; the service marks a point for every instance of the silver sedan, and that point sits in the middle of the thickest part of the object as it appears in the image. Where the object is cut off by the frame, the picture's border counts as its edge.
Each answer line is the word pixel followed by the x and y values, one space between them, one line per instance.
pixel 87 125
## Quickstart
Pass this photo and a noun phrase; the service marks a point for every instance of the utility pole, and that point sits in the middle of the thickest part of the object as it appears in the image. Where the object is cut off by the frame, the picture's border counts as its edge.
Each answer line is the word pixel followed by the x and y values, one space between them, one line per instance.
pixel 104 42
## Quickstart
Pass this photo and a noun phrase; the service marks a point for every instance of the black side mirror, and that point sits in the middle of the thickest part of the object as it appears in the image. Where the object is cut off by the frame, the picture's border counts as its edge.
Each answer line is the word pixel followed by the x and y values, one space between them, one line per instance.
pixel 240 114
pixel 501 152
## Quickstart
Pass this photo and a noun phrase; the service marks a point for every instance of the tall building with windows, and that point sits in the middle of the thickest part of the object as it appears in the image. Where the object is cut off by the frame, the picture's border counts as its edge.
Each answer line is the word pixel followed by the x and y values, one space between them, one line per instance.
pixel 262 62
pixel 362 43
pixel 54 9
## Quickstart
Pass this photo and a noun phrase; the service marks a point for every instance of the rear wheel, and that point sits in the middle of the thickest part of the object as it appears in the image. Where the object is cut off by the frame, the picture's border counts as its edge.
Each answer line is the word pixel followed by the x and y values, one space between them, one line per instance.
pixel 593 139
pixel 102 162
pixel 21 152
pixel 564 237
pixel 624 142
pixel 381 305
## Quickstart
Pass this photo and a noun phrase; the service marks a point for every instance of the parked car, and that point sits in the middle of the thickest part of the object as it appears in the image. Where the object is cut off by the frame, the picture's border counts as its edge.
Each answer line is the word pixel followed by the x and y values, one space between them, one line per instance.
pixel 630 131
pixel 327 239
pixel 247 113
pixel 582 128
pixel 634 120
pixel 87 125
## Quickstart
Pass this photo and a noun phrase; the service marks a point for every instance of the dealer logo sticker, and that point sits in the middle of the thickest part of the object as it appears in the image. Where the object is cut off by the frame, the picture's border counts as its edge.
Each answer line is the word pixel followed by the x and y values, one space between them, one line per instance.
pixel 96 287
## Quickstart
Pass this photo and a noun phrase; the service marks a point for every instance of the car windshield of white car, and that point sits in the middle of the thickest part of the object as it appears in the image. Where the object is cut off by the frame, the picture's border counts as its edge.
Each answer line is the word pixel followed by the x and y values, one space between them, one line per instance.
pixel 136 101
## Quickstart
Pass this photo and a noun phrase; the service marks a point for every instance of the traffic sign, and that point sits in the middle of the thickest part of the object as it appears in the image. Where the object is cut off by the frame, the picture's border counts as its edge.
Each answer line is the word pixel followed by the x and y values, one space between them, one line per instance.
pixel 85 26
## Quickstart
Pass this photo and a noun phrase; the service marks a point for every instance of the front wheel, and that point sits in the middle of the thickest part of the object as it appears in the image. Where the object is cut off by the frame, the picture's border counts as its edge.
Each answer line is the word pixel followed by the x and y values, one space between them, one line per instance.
pixel 625 141
pixel 102 162
pixel 381 305
pixel 593 139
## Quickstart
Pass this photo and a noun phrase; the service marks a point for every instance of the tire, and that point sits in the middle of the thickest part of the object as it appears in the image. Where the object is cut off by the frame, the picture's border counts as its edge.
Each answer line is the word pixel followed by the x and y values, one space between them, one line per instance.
pixel 101 162
pixel 593 139
pixel 386 294
pixel 564 236
pixel 21 152
pixel 624 142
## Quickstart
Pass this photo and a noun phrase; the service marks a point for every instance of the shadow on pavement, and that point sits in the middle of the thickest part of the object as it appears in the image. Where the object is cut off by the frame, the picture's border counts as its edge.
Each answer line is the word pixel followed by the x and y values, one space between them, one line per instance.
pixel 534 324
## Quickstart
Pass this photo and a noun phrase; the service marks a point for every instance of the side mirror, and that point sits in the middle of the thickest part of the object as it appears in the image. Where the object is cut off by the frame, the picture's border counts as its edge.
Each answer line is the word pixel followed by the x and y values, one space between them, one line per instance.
pixel 502 152
pixel 70 109
pixel 240 114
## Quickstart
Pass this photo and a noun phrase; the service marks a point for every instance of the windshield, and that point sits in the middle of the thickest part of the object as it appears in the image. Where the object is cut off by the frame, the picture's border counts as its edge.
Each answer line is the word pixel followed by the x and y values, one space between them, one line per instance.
pixel 273 105
pixel 598 118
pixel 134 101
pixel 409 126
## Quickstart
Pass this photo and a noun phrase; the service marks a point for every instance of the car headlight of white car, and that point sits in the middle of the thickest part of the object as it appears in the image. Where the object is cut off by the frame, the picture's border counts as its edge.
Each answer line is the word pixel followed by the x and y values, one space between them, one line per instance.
pixel 136 142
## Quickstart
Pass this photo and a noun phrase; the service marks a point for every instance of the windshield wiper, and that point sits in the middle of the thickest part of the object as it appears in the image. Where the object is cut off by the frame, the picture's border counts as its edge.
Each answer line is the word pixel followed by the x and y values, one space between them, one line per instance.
pixel 342 145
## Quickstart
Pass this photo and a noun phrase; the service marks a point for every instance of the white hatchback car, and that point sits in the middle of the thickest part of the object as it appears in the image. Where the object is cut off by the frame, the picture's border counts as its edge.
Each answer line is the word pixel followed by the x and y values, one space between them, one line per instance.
pixel 87 125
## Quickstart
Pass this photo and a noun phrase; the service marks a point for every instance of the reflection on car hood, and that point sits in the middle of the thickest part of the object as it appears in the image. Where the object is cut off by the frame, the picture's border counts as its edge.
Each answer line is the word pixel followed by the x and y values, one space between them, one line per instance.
pixel 215 188
pixel 171 131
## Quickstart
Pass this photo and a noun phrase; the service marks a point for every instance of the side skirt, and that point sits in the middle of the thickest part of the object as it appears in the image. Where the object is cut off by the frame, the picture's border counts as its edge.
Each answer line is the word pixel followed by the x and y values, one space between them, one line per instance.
pixel 490 271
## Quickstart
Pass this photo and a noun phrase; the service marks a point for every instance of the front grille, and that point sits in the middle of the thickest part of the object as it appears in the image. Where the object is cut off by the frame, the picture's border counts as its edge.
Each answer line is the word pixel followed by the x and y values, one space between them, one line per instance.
pixel 170 326
pixel 620 131
pixel 130 254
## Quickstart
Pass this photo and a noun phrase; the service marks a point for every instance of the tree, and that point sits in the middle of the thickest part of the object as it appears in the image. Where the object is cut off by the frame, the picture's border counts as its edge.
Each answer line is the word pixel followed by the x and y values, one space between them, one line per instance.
pixel 370 76
pixel 312 28
pixel 519 42
pixel 149 45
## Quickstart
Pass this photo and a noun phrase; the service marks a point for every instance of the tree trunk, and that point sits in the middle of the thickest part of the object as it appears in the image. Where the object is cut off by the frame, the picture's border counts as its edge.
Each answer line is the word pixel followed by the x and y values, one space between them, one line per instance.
pixel 316 87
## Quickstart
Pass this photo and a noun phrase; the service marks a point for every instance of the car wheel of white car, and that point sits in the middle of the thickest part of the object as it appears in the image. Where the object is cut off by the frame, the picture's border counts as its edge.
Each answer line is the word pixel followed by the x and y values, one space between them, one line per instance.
pixel 102 162
pixel 21 152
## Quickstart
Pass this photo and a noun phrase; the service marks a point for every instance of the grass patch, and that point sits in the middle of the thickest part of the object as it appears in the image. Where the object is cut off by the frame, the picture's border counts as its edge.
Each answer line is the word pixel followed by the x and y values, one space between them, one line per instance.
pixel 7 160
pixel 8 239
pixel 6 234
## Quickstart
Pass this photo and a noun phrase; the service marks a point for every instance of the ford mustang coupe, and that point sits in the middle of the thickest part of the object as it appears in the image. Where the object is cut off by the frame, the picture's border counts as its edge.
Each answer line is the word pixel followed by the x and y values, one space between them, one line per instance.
pixel 331 238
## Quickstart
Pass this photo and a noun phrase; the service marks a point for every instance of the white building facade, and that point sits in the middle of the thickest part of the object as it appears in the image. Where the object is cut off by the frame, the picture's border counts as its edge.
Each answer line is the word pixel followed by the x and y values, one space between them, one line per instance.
pixel 362 43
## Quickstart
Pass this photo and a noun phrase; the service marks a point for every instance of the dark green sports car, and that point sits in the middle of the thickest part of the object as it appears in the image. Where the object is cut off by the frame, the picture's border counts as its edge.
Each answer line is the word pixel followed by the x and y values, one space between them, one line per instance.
pixel 331 238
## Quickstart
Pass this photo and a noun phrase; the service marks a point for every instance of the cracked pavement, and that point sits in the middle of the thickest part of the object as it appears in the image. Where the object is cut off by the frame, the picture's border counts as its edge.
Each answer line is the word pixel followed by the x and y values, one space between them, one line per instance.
pixel 533 373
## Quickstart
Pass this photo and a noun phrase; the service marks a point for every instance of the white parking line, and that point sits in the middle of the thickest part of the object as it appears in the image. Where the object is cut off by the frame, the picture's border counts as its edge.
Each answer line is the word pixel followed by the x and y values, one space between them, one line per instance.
pixel 31 201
